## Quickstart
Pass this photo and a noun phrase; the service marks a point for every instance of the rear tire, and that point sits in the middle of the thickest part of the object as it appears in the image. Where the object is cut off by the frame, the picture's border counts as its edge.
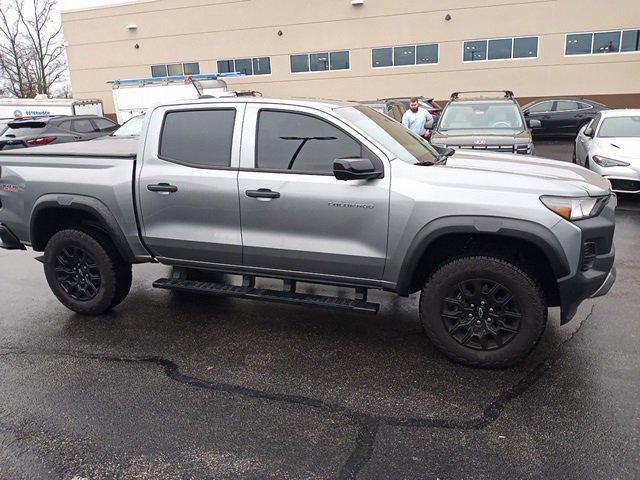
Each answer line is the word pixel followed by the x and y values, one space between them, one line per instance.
pixel 85 271
pixel 483 311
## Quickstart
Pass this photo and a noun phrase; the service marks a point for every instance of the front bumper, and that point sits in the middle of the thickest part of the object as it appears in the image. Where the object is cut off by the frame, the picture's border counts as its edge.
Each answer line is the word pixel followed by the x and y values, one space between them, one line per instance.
pixel 595 274
pixel 8 240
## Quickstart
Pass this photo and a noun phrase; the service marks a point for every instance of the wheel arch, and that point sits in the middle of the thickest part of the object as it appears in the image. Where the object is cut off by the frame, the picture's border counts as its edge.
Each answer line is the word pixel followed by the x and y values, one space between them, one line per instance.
pixel 53 213
pixel 511 239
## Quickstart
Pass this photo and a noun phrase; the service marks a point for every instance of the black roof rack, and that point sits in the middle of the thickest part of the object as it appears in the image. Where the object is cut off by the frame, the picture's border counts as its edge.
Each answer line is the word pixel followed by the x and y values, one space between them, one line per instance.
pixel 505 93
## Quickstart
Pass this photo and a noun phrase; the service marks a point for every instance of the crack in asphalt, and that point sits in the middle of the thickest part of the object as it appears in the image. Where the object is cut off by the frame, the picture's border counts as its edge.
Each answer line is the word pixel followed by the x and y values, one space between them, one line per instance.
pixel 369 424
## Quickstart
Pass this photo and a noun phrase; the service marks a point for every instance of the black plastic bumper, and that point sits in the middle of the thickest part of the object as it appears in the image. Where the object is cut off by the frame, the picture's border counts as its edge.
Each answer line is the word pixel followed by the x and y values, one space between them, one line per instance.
pixel 597 256
pixel 8 240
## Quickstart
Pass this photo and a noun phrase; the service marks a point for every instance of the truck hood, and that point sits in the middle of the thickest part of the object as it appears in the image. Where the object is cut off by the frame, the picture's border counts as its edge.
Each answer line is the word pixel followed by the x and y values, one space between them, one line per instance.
pixel 532 167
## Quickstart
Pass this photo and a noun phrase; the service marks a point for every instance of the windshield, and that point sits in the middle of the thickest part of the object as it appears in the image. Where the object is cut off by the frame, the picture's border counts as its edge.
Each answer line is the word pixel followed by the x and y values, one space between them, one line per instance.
pixel 394 136
pixel 3 126
pixel 620 127
pixel 481 116
pixel 130 128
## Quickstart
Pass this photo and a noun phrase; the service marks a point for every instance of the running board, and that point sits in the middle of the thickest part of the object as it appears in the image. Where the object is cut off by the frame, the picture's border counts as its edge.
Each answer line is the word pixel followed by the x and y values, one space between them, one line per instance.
pixel 287 295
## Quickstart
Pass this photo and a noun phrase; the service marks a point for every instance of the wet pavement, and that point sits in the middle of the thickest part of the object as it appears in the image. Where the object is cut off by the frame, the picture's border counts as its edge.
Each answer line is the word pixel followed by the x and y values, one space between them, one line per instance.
pixel 171 386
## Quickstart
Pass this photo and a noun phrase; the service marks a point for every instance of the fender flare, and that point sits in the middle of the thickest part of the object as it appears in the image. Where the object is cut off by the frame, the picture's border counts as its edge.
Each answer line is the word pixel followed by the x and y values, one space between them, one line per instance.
pixel 86 204
pixel 534 233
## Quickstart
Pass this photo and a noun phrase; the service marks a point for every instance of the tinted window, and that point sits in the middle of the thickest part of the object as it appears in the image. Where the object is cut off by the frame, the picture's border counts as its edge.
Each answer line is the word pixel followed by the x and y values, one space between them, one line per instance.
pixel 22 132
pixel 382 57
pixel 244 65
pixel 319 61
pixel 525 47
pixel 500 48
pixel 82 126
pixel 198 137
pixel 404 55
pixel 294 141
pixel 630 40
pixel 191 68
pixel 578 43
pixel 541 107
pixel 476 50
pixel 583 106
pixel 66 125
pixel 606 42
pixel 299 63
pixel 159 71
pixel 427 54
pixel 261 66
pixel 104 125
pixel 339 60
pixel 174 69
pixel 564 105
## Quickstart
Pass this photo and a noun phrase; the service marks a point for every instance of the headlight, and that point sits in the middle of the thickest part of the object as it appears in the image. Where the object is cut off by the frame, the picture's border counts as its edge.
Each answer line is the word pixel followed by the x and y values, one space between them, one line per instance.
pixel 575 208
pixel 609 162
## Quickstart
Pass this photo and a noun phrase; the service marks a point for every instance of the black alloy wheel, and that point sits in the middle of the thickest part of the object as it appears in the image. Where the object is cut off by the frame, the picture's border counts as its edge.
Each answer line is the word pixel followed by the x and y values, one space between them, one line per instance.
pixel 481 314
pixel 77 273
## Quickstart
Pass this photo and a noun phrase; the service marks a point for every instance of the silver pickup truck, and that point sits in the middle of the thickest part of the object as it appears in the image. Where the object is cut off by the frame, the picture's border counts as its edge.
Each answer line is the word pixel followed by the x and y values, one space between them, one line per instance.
pixel 317 192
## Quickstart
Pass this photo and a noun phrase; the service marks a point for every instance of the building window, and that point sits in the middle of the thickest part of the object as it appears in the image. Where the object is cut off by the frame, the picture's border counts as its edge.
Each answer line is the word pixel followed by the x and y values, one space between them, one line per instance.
pixel 631 41
pixel 172 69
pixel 246 66
pixel 319 61
pixel 500 49
pixel 404 55
pixel 594 43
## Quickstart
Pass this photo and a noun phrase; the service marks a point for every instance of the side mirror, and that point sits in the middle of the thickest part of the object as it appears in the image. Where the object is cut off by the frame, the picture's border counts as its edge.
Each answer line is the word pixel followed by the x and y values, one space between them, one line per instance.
pixel 534 123
pixel 588 132
pixel 355 169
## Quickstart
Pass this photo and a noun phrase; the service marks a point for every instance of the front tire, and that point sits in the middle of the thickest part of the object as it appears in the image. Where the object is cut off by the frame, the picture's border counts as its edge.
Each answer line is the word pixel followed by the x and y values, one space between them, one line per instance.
pixel 483 311
pixel 85 272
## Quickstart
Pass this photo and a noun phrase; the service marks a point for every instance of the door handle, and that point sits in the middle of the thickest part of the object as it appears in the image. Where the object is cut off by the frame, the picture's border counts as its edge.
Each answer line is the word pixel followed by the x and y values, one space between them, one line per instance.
pixel 262 193
pixel 162 187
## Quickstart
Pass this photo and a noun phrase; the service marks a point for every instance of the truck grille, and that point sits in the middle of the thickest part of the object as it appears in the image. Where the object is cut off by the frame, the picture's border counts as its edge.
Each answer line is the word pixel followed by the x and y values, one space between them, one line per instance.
pixel 522 149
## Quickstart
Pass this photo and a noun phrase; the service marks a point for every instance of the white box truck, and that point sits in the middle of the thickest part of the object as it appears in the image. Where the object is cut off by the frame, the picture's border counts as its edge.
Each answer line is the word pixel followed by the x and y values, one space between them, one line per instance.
pixel 133 96
pixel 44 107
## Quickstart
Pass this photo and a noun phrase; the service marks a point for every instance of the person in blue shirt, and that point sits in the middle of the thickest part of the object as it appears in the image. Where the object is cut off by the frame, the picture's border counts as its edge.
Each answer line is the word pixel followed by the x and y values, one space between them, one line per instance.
pixel 417 119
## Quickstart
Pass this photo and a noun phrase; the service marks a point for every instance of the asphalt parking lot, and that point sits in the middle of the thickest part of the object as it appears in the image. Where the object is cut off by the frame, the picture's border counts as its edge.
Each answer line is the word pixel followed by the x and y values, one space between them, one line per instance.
pixel 182 387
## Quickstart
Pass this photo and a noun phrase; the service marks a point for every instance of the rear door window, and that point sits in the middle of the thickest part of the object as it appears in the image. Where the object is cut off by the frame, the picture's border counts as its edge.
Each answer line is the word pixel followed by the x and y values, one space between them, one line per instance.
pixel 298 142
pixel 198 138
pixel 82 126
pixel 566 105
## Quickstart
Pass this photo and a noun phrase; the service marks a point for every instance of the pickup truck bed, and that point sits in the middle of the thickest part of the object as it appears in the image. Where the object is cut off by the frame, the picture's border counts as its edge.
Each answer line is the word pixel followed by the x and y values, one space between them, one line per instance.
pixel 99 171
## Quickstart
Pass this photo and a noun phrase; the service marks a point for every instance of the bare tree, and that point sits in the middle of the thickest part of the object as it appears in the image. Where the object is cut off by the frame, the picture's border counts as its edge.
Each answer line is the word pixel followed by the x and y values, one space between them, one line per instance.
pixel 49 62
pixel 15 55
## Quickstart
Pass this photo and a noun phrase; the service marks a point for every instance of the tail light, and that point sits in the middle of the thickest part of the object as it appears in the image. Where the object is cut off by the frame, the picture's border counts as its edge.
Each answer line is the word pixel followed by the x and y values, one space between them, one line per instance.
pixel 435 111
pixel 40 141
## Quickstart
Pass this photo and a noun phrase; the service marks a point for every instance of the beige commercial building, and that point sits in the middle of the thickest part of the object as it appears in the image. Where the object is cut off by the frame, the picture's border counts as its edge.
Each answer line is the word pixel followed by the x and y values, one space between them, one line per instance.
pixel 366 49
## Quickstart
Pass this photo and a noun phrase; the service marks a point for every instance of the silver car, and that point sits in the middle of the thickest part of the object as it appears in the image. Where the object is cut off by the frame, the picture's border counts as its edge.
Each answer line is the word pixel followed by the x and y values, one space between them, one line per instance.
pixel 610 146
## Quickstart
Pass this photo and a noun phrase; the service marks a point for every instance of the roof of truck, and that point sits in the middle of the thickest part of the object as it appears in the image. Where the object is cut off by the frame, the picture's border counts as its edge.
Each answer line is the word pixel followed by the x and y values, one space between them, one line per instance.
pixel 302 101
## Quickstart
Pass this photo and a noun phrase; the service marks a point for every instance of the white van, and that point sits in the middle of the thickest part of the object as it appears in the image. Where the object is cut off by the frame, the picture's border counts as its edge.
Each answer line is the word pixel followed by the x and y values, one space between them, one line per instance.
pixel 44 107
pixel 133 96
